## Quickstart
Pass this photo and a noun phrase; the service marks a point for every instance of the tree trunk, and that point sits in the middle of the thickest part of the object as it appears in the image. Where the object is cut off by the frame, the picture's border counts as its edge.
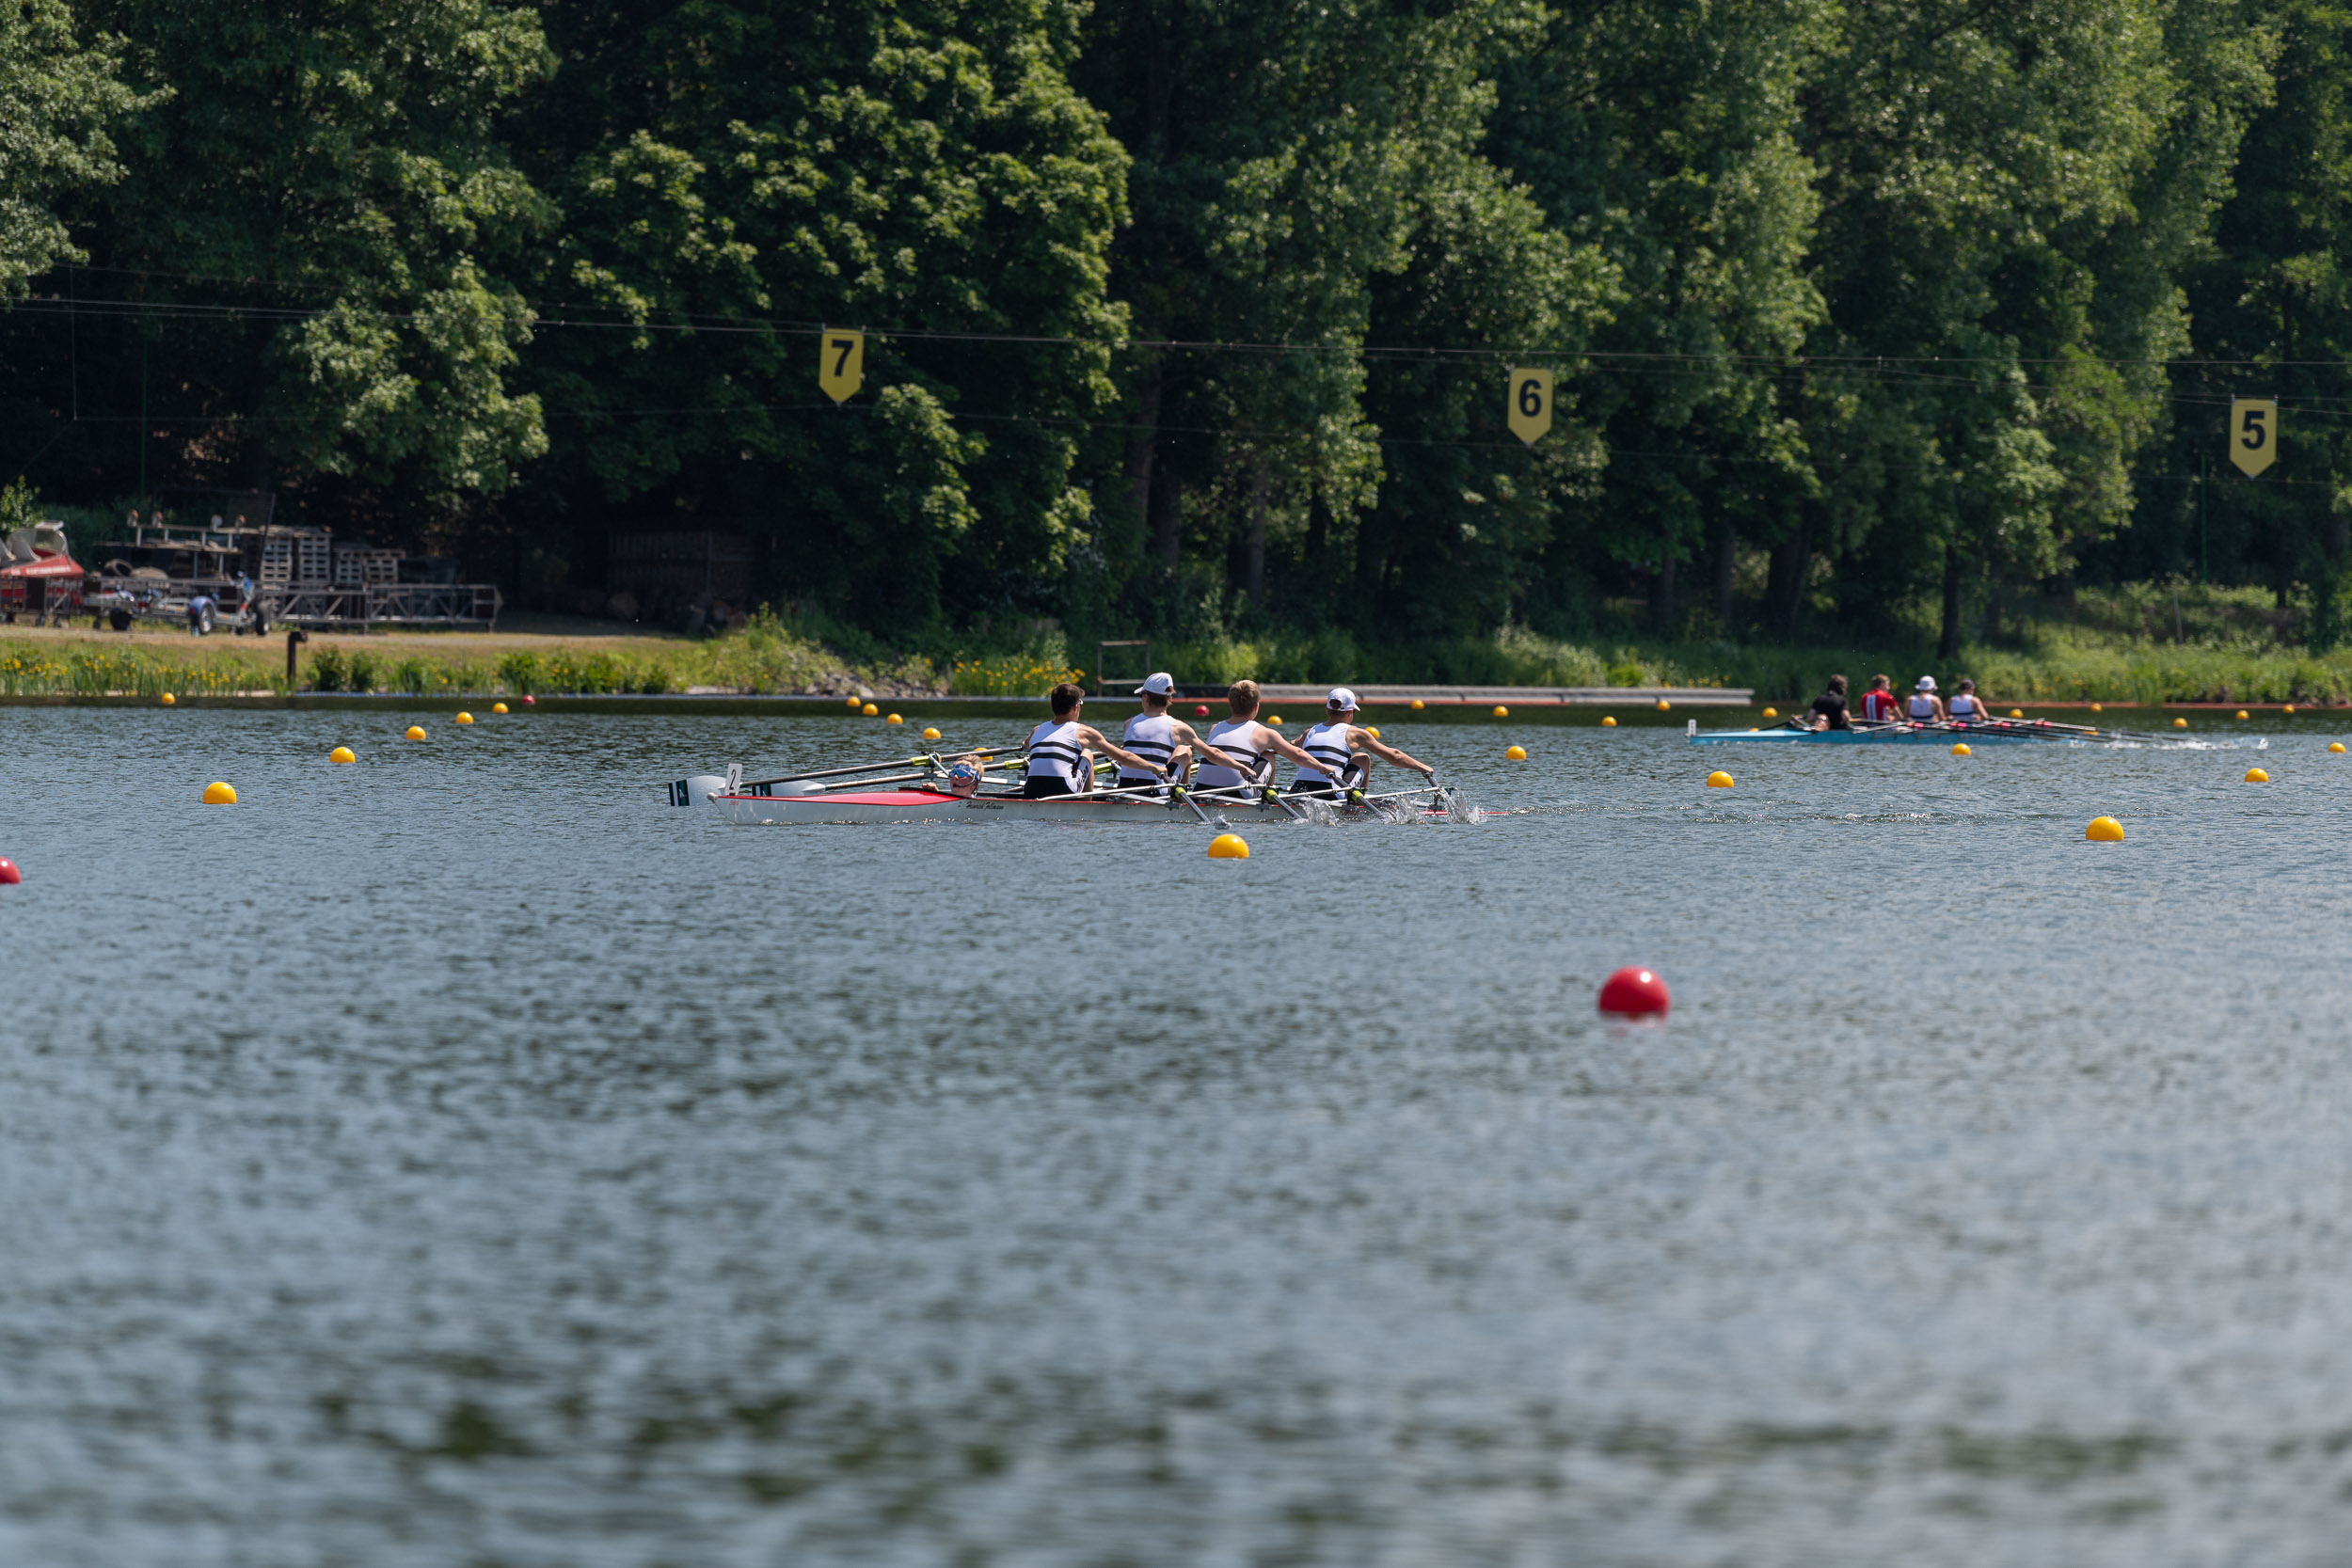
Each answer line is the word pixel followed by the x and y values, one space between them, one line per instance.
pixel 1144 449
pixel 1168 516
pixel 1253 569
pixel 1726 558
pixel 1948 646
pixel 1662 595
pixel 1992 611
pixel 1792 561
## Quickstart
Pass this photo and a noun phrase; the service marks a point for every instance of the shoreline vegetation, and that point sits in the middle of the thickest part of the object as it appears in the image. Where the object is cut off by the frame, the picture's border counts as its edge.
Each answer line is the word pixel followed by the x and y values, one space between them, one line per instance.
pixel 2219 650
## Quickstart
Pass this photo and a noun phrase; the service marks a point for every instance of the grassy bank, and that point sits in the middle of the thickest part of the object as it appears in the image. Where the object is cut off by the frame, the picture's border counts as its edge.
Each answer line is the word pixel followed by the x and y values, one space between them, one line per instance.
pixel 2222 646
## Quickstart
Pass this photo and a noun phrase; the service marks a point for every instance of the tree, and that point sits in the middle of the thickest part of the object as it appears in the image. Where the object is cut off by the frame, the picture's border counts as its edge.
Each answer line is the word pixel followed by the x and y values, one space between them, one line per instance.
pixel 322 231
pixel 63 96
pixel 736 175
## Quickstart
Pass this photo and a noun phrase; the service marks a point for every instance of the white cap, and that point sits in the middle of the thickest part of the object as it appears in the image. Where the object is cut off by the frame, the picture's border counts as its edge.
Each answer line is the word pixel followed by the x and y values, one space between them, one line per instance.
pixel 1927 683
pixel 1342 698
pixel 1160 685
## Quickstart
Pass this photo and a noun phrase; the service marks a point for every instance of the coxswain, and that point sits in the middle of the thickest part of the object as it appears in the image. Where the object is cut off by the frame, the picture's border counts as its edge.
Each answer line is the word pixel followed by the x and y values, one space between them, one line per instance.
pixel 1338 746
pixel 1926 707
pixel 1162 738
pixel 1966 706
pixel 1880 705
pixel 1829 709
pixel 1062 751
pixel 1243 739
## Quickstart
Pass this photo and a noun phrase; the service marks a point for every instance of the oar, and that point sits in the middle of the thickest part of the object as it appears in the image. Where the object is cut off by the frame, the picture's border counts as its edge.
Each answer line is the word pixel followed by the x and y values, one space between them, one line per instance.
pixel 878 766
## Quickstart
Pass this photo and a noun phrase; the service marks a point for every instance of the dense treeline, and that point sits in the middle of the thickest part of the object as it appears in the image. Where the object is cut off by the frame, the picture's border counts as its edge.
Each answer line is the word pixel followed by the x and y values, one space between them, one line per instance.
pixel 1192 317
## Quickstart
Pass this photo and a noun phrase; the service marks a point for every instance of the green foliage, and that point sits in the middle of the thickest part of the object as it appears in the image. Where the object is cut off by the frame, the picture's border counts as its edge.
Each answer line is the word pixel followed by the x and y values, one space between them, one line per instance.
pixel 1870 319
pixel 62 95
pixel 341 166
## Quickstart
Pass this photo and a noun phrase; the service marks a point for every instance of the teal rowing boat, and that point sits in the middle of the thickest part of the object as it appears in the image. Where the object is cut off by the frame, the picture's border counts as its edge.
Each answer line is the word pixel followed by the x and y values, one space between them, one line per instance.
pixel 2040 730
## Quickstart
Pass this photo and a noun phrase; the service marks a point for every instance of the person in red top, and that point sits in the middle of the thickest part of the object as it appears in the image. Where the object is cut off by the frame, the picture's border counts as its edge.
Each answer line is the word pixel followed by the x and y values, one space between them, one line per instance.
pixel 1879 705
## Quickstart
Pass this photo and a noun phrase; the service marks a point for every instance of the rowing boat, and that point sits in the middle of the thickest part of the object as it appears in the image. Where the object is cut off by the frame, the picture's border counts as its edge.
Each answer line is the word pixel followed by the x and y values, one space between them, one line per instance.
pixel 931 805
pixel 878 792
pixel 1894 735
pixel 2039 732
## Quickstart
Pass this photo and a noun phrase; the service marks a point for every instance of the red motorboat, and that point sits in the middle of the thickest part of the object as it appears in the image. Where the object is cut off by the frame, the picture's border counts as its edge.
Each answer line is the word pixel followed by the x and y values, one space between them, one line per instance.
pixel 37 576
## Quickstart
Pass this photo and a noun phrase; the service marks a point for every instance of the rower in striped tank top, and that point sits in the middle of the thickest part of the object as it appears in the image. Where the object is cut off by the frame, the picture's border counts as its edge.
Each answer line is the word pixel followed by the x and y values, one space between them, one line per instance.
pixel 1160 736
pixel 1062 751
pixel 1245 740
pixel 1343 748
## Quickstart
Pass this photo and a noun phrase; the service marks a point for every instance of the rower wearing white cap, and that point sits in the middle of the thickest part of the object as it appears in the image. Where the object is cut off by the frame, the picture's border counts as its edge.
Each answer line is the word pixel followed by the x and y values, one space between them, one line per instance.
pixel 1242 739
pixel 1160 736
pixel 1925 706
pixel 1338 746
pixel 1062 751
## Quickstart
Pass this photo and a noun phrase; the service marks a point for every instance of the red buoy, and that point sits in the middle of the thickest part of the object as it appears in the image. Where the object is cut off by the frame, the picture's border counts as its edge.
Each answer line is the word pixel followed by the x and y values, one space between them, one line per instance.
pixel 9 874
pixel 530 701
pixel 1634 992
pixel 1201 711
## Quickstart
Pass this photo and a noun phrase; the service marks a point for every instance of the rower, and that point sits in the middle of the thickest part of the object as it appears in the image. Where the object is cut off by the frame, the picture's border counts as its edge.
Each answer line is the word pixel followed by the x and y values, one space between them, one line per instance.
pixel 1245 740
pixel 1926 707
pixel 1338 746
pixel 1164 739
pixel 1966 706
pixel 1829 709
pixel 1062 751
pixel 1878 704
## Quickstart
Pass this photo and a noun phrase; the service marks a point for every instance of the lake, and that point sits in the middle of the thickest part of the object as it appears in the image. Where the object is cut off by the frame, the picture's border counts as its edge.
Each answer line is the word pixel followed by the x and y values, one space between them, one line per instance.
pixel 463 1158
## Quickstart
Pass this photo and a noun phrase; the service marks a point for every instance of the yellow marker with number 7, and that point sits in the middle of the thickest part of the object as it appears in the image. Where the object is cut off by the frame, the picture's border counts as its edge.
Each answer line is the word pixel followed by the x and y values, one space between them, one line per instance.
pixel 841 363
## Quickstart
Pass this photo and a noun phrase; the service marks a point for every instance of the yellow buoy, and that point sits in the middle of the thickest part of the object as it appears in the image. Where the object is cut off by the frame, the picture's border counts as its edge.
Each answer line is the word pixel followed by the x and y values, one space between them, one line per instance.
pixel 1719 780
pixel 1772 713
pixel 416 732
pixel 169 699
pixel 853 705
pixel 2097 708
pixel 1501 712
pixel 1664 706
pixel 870 710
pixel 1961 750
pixel 498 707
pixel 1515 753
pixel 894 718
pixel 1371 732
pixel 1417 704
pixel 930 735
pixel 2105 829
pixel 2335 745
pixel 1276 720
pixel 219 794
pixel 1228 847
pixel 2289 708
pixel 2180 723
pixel 464 718
pixel 343 753
pixel 2017 713
pixel 2241 713
pixel 2255 775
pixel 1607 722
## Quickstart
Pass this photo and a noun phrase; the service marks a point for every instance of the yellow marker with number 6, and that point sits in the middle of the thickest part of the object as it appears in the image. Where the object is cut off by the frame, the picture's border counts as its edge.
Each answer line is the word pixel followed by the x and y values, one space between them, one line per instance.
pixel 1530 405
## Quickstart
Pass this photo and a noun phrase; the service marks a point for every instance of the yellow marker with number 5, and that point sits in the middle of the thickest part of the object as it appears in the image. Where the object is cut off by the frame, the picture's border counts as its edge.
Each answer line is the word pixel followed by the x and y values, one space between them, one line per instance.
pixel 2253 434
pixel 841 364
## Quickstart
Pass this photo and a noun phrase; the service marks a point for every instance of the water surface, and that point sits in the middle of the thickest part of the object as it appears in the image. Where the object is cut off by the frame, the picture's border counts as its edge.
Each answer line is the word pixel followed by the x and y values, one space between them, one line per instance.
pixel 462 1158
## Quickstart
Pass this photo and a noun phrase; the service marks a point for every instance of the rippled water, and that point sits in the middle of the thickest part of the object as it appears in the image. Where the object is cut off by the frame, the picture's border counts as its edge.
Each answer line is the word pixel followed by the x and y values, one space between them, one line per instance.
pixel 462 1158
